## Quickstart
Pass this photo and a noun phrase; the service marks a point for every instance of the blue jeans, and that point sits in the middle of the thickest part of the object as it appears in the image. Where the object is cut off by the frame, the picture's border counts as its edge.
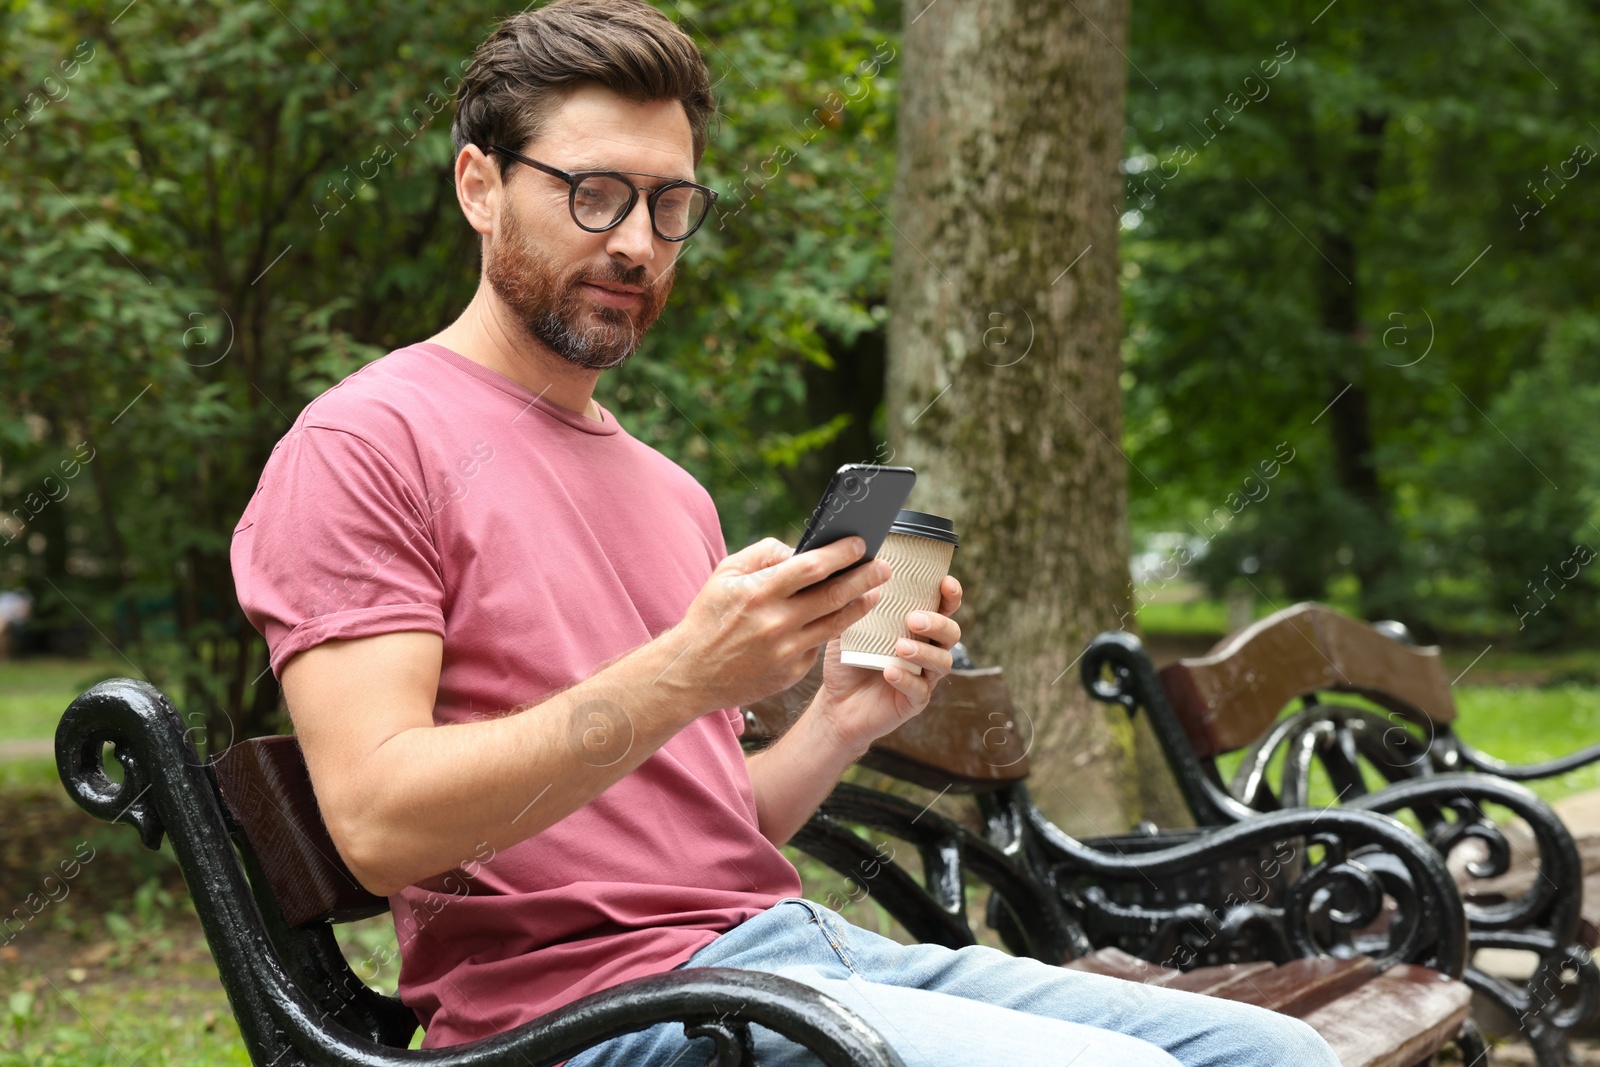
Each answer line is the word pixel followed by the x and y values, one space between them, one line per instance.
pixel 973 1007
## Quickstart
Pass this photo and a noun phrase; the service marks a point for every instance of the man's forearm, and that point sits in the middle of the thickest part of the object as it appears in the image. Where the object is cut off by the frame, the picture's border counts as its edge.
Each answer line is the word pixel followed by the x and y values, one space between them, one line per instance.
pixel 439 796
pixel 795 774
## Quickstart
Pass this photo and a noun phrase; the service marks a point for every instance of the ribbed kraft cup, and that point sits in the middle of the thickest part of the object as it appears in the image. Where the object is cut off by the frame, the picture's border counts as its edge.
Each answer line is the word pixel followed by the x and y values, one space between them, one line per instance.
pixel 917 565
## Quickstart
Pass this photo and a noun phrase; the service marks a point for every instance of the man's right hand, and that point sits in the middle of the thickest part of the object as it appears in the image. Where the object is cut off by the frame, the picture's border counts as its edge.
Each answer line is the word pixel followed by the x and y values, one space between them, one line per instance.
pixel 750 632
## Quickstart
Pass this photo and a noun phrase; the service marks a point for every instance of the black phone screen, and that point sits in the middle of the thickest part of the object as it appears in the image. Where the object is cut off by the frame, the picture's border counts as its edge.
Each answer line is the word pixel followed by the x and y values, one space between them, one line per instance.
pixel 862 500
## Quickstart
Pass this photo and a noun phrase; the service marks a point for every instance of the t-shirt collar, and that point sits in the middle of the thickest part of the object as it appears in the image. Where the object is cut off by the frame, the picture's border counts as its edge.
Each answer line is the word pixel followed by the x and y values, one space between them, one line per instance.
pixel 607 425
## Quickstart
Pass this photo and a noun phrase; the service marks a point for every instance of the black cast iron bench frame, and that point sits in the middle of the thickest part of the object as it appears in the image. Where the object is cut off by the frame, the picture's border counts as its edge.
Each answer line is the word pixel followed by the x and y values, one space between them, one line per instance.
pixel 1231 699
pixel 267 885
pixel 1108 904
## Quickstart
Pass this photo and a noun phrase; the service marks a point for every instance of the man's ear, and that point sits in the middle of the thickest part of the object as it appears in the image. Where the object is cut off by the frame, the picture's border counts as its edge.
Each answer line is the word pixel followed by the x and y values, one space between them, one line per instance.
pixel 478 188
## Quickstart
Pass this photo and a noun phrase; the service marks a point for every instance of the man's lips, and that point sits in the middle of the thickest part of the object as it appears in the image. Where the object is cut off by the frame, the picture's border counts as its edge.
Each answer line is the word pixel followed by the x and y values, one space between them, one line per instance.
pixel 620 296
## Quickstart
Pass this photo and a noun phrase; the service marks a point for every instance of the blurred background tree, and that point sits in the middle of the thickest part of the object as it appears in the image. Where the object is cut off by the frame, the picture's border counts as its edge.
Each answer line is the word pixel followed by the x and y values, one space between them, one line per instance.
pixel 1365 272
pixel 1364 231
pixel 210 213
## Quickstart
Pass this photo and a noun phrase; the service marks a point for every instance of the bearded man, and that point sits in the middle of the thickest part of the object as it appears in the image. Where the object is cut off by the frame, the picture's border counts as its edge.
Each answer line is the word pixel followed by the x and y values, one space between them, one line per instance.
pixel 514 646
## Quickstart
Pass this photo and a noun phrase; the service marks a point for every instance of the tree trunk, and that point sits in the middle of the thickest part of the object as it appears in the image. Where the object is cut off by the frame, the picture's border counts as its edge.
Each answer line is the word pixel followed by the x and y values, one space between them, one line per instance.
pixel 1351 191
pixel 1003 386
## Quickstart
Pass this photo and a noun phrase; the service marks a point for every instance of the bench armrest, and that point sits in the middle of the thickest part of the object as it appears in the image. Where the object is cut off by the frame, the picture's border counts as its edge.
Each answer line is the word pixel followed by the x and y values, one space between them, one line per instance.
pixel 716 1002
pixel 1364 857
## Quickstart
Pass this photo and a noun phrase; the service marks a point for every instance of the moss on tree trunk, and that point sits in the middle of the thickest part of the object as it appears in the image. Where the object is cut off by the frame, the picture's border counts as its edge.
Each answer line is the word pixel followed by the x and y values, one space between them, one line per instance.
pixel 1003 380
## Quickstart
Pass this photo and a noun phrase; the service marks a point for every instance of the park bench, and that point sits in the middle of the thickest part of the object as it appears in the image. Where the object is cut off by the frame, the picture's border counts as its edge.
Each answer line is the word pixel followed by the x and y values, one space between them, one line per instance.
pixel 1399 732
pixel 268 885
pixel 1240 913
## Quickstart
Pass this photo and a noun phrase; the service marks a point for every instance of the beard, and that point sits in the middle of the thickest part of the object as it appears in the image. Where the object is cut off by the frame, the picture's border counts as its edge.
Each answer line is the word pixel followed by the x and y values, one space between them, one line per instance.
pixel 553 308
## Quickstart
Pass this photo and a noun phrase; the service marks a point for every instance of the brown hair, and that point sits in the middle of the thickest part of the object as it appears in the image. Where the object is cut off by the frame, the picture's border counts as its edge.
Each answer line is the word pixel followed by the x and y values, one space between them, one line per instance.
pixel 532 61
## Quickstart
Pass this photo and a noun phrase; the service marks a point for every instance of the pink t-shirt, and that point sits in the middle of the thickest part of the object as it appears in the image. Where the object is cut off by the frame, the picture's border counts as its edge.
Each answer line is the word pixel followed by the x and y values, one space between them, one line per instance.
pixel 427 492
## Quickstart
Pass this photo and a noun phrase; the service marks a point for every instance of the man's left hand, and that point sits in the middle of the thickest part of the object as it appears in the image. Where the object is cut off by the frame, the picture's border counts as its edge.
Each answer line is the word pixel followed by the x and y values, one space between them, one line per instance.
pixel 860 704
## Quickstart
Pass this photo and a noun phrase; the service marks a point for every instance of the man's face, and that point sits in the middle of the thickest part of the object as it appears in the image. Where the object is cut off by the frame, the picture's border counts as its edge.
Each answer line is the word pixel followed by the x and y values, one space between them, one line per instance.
pixel 561 282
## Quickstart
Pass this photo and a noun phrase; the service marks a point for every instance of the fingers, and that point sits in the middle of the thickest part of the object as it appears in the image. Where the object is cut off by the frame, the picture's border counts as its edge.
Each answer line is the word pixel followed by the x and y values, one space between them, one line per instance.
pixel 764 553
pixel 932 635
pixel 949 595
pixel 918 688
pixel 841 589
pixel 834 623
pixel 928 657
pixel 813 565
pixel 939 629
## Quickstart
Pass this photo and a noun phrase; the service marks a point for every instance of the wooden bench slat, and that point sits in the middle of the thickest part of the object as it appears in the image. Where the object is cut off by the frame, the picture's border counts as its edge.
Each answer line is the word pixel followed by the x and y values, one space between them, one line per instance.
pixel 1300 986
pixel 1358 1010
pixel 1116 963
pixel 1208 980
pixel 266 786
pixel 1423 1004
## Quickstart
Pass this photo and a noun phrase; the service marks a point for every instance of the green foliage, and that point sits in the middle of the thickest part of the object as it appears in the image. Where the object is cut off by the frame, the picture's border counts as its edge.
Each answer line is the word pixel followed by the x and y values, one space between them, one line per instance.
pixel 372 948
pixel 211 212
pixel 1389 236
pixel 19 1008
pixel 792 268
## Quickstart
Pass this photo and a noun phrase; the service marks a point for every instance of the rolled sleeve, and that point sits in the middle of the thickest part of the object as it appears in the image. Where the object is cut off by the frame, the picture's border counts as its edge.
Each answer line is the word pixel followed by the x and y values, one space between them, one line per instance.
pixel 334 545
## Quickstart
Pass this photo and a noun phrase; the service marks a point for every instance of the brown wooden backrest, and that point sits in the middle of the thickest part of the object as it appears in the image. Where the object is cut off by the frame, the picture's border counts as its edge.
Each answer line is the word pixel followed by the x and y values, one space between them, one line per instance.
pixel 267 788
pixel 967 740
pixel 1232 695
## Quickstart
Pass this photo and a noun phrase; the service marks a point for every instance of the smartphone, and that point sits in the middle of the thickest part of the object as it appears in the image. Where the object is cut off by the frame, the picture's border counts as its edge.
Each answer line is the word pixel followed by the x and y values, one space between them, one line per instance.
pixel 862 500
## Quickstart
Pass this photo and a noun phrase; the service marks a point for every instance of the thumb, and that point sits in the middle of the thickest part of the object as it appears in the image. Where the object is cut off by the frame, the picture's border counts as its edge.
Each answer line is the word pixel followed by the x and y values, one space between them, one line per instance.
pixel 759 556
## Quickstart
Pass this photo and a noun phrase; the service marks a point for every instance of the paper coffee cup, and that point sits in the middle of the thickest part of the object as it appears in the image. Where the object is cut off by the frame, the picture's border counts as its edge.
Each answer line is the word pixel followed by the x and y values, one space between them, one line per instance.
pixel 919 548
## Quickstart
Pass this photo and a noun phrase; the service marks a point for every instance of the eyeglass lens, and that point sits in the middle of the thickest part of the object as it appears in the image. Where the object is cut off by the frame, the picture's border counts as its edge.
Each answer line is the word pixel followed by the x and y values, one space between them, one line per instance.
pixel 600 201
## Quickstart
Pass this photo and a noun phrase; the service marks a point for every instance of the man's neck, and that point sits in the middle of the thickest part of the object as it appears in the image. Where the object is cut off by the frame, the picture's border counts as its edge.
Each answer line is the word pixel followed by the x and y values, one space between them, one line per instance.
pixel 484 335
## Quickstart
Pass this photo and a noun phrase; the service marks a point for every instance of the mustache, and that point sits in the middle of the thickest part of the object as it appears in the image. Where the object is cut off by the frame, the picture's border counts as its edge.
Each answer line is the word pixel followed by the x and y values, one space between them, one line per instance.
pixel 634 277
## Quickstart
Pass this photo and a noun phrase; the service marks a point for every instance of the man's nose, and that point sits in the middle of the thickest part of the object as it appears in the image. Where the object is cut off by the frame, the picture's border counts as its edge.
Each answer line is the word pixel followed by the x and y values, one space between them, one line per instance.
pixel 634 237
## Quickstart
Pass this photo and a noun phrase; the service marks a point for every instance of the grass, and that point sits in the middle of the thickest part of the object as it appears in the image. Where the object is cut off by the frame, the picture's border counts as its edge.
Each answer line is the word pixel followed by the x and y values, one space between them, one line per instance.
pixel 1197 616
pixel 1182 608
pixel 89 983
pixel 1523 724
pixel 1186 612
pixel 117 990
pixel 34 692
pixel 166 1012
pixel 28 772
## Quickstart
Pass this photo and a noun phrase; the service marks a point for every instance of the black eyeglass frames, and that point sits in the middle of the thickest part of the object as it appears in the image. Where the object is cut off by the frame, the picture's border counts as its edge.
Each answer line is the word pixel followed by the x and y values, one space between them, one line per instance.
pixel 601 199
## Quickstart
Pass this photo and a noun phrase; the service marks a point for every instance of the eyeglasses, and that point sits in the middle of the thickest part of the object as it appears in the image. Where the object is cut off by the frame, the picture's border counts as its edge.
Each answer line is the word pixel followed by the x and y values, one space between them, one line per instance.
pixel 601 199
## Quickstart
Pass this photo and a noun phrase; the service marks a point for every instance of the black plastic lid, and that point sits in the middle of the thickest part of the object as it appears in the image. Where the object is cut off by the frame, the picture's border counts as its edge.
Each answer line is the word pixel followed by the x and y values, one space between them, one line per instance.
pixel 922 524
